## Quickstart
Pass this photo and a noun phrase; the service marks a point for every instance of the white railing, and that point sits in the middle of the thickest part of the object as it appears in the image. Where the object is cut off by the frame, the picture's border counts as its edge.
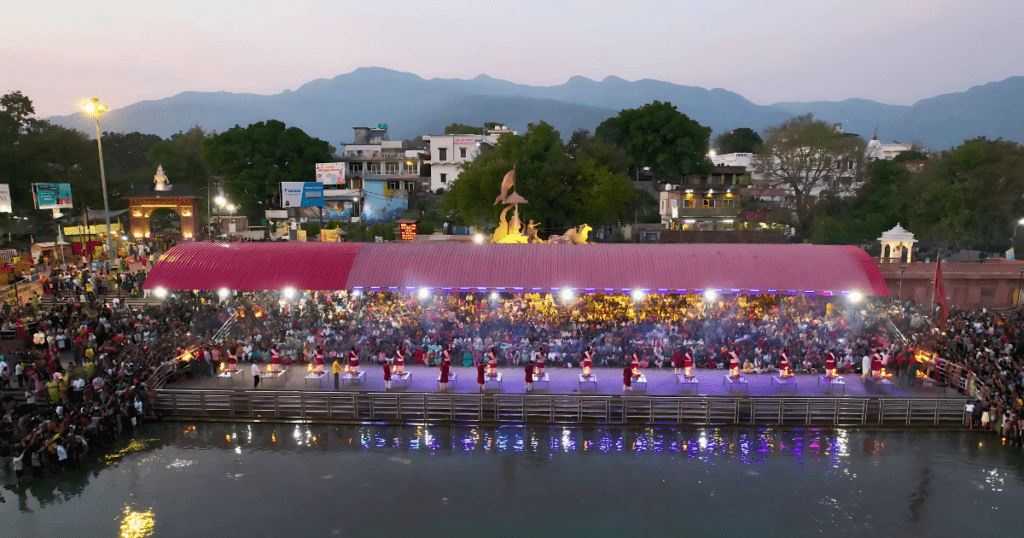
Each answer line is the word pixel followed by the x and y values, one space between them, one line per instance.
pixel 556 409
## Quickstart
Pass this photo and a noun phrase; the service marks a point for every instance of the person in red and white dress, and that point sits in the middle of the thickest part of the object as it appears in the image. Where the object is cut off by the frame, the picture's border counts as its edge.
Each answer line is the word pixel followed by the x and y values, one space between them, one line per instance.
pixel 480 368
pixel 275 360
pixel 830 365
pixel 688 363
pixel 387 376
pixel 400 361
pixel 588 361
pixel 784 369
pixel 734 364
pixel 876 364
pixel 446 354
pixel 677 361
pixel 353 360
pixel 442 380
pixel 318 358
pixel 634 363
pixel 538 357
pixel 627 379
pixel 492 362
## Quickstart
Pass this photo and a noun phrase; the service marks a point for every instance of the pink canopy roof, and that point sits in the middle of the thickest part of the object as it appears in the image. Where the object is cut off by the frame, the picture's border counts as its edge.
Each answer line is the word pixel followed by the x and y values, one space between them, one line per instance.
pixel 601 268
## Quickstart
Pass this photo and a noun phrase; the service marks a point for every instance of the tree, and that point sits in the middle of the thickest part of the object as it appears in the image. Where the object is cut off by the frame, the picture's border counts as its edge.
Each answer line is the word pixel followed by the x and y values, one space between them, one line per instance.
pixel 458 128
pixel 461 128
pixel 181 155
pixel 742 140
pixel 658 136
pixel 254 160
pixel 970 196
pixel 562 191
pixel 812 161
pixel 124 154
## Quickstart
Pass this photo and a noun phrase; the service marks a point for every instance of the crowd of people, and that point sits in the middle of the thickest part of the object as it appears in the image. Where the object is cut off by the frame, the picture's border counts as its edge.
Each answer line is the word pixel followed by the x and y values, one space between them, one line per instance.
pixel 90 369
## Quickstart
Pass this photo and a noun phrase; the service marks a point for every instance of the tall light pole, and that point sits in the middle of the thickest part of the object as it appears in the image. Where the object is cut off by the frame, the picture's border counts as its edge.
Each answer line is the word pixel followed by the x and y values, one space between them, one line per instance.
pixel 94 108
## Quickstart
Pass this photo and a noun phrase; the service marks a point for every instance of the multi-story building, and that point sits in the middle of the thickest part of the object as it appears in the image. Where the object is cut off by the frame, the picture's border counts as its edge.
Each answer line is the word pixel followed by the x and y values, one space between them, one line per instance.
pixel 449 152
pixel 704 202
pixel 380 175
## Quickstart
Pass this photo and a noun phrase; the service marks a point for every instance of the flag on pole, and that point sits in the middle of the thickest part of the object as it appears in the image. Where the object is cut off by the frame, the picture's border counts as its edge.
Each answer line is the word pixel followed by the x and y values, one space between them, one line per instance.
pixel 940 294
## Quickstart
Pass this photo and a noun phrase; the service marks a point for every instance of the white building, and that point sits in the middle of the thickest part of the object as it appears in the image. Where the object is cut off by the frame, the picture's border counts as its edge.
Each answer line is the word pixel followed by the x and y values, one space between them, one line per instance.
pixel 449 152
pixel 879 151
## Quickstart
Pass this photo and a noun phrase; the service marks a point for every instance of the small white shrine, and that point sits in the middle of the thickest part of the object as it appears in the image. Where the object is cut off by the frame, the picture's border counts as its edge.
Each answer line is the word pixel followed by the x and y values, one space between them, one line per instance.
pixel 895 243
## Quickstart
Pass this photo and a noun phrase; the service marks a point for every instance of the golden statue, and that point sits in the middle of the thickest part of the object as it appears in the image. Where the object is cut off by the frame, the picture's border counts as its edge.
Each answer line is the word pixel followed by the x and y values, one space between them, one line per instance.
pixel 577 235
pixel 512 231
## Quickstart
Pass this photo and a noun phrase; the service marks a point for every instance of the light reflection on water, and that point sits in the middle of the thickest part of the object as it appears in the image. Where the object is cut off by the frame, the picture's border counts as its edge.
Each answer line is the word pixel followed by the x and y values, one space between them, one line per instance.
pixel 856 482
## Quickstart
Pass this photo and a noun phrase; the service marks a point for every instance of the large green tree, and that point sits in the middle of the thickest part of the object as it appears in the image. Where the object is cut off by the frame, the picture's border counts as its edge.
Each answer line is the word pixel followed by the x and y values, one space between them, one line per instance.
pixel 35 151
pixel 742 140
pixel 968 197
pixel 254 160
pixel 562 191
pixel 813 162
pixel 658 136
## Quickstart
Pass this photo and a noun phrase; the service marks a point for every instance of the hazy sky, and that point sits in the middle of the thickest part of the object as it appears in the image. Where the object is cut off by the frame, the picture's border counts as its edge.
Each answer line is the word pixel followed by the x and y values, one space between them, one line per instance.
pixel 894 51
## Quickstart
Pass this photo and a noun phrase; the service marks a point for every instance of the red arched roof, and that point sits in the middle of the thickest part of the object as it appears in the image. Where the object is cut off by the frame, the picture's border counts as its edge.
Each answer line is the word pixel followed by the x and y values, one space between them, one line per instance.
pixel 675 268
pixel 254 266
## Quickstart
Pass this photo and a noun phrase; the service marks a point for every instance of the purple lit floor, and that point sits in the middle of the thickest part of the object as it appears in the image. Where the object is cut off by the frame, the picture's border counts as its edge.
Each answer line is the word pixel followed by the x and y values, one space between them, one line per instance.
pixel 661 382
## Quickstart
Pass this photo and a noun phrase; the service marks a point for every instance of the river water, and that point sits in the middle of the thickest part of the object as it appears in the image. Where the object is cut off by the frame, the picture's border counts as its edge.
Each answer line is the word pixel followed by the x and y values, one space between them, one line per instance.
pixel 255 480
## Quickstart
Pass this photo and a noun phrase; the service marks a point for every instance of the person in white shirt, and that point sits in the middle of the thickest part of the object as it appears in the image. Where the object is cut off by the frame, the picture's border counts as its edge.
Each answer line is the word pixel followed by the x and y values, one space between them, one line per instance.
pixel 255 375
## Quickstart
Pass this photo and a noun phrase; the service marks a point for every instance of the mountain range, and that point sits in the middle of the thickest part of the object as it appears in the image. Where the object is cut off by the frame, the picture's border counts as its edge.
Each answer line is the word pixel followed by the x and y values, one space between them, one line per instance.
pixel 412 106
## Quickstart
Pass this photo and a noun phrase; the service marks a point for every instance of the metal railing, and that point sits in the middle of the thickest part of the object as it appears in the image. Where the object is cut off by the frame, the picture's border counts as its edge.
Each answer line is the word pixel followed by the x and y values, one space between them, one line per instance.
pixel 557 409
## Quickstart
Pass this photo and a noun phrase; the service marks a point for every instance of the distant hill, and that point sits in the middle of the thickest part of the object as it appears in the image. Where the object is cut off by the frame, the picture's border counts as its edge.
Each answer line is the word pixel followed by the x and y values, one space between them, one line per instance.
pixel 412 106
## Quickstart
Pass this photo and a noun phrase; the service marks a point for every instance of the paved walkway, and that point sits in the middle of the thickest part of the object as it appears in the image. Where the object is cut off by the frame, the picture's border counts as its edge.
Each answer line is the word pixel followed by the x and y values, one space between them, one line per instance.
pixel 661 382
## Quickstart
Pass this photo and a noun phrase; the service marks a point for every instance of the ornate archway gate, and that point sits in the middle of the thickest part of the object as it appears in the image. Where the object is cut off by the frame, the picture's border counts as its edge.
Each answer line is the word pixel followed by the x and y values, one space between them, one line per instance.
pixel 144 199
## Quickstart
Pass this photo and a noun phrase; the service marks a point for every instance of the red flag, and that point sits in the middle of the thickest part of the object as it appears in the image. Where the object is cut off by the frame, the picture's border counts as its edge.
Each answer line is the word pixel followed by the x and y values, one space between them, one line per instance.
pixel 940 294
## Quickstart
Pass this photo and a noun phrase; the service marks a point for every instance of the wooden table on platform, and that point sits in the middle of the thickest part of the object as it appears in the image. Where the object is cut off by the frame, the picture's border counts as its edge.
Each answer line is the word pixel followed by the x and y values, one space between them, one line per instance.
pixel 315 380
pixel 496 378
pixel 740 380
pixel 357 377
pixel 788 382
pixel 230 376
pixel 404 378
pixel 832 382
pixel 687 383
pixel 453 378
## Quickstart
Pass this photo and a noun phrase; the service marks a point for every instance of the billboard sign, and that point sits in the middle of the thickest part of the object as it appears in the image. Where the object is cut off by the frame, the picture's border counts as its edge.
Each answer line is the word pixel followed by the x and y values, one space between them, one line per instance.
pixel 330 173
pixel 297 194
pixel 464 141
pixel 52 195
pixel 5 199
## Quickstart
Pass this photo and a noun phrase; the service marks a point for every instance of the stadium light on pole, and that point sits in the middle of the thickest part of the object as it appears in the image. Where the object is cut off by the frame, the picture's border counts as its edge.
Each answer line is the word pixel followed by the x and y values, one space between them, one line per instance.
pixel 94 108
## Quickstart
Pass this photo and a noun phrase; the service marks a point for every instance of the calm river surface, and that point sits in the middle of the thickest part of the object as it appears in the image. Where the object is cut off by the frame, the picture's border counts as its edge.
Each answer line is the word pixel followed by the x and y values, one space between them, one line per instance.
pixel 225 480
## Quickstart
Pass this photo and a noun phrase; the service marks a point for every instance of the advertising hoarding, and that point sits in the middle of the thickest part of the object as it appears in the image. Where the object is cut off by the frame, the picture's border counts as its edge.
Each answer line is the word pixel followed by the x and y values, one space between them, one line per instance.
pixel 330 173
pixel 5 198
pixel 297 194
pixel 52 195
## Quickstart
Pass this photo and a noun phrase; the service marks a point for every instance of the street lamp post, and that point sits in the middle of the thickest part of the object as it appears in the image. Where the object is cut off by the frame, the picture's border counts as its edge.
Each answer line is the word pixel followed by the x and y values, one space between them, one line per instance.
pixel 902 270
pixel 94 108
